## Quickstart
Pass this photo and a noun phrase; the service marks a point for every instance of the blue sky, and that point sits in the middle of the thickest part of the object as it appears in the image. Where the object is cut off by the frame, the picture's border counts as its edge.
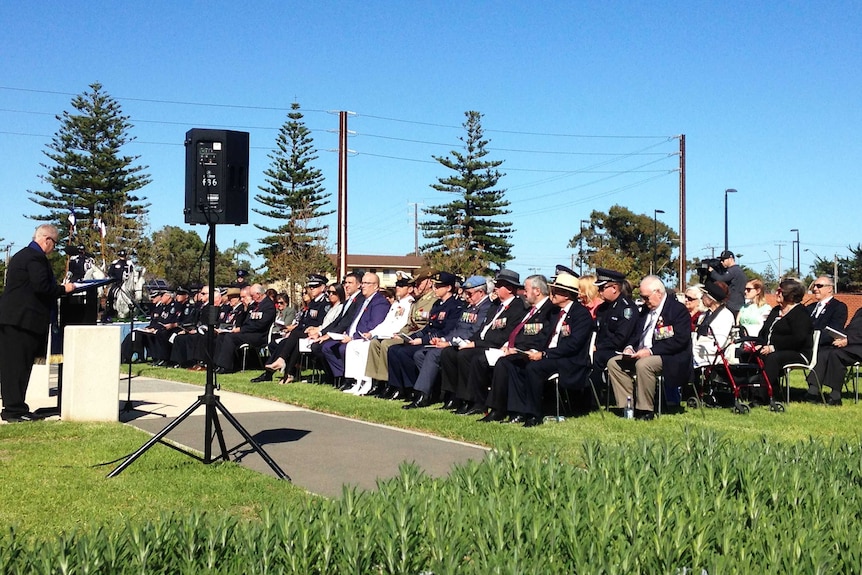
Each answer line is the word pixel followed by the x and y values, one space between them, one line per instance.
pixel 583 101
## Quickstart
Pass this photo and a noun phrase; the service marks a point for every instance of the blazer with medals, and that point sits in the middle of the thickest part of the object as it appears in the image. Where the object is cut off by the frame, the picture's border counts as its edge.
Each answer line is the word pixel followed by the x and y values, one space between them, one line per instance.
pixel 572 354
pixel 538 329
pixel 671 340
pixel 499 326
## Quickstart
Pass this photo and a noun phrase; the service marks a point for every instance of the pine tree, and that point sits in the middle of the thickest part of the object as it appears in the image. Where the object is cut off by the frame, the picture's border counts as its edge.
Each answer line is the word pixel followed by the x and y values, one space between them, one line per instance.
pixel 294 195
pixel 88 174
pixel 467 237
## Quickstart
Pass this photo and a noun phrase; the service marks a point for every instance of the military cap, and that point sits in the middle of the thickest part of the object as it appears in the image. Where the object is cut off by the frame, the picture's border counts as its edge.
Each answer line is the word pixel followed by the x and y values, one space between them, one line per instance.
pixel 404 282
pixel 241 273
pixel 316 280
pixel 121 253
pixel 444 278
pixel 473 282
pixel 182 291
pixel 604 276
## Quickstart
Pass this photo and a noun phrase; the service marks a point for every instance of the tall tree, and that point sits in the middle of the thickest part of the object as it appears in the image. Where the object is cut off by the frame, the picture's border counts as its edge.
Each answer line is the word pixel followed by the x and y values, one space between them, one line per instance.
pixel 629 243
pixel 90 176
pixel 294 195
pixel 467 229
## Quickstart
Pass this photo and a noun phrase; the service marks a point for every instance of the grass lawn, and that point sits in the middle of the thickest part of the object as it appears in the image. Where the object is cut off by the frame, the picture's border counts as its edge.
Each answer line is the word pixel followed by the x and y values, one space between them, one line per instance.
pixel 51 481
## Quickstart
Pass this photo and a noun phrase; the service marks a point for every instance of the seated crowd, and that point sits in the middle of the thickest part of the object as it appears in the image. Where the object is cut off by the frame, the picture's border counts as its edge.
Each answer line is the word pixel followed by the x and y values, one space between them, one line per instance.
pixel 490 346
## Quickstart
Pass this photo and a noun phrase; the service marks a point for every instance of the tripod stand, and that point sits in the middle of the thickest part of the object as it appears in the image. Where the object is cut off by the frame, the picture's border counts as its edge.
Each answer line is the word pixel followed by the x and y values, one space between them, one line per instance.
pixel 209 399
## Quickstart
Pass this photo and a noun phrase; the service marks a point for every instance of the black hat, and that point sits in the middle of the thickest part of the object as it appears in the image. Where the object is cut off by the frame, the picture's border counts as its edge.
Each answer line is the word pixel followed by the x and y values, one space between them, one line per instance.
pixel 444 278
pixel 121 253
pixel 716 291
pixel 508 277
pixel 726 254
pixel 182 291
pixel 316 280
pixel 561 269
pixel 404 282
pixel 81 249
pixel 155 293
pixel 604 276
pixel 241 273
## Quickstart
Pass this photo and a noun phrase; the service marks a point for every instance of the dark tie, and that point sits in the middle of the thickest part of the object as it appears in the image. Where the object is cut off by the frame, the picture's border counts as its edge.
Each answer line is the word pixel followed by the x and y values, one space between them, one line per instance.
pixel 519 327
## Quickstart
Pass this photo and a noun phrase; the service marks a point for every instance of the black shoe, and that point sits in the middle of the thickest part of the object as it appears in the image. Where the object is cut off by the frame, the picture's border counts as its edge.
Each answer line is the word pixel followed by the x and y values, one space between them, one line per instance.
pixel 533 421
pixel 347 384
pixel 220 370
pixel 397 394
pixel 475 411
pixel 19 417
pixel 463 409
pixel 518 419
pixel 645 416
pixel 835 402
pixel 160 363
pixel 265 376
pixel 450 404
pixel 377 389
pixel 419 402
pixel 494 415
pixel 813 398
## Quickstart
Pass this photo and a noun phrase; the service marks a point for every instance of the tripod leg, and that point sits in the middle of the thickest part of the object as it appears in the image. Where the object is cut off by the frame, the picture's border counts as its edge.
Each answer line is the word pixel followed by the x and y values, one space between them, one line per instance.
pixel 254 445
pixel 156 438
pixel 220 436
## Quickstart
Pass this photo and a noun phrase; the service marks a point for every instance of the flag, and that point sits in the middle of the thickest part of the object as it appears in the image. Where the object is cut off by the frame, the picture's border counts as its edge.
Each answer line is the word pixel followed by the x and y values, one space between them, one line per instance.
pixel 72 221
pixel 103 229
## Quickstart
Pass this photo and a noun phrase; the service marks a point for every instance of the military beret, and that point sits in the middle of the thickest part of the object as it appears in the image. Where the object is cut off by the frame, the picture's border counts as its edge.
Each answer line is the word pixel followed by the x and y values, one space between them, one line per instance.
pixel 473 282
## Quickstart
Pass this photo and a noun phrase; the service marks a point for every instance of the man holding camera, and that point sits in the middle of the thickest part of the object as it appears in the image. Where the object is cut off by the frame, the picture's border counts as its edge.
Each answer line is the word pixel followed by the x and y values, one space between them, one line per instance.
pixel 734 277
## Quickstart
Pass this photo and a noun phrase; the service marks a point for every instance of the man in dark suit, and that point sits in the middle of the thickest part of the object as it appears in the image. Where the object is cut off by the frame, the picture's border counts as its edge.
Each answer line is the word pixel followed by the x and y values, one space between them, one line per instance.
pixel 371 312
pixel 825 310
pixel 833 360
pixel 531 333
pixel 660 344
pixel 253 331
pixel 25 315
pixel 455 361
pixel 567 353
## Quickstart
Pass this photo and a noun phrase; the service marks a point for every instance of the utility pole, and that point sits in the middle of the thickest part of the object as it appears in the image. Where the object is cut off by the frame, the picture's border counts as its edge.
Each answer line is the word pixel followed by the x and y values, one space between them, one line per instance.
pixel 415 227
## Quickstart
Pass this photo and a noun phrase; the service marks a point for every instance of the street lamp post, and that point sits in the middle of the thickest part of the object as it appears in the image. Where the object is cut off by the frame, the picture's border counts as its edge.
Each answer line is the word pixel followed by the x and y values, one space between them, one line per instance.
pixel 727 191
pixel 581 248
pixel 797 266
pixel 655 214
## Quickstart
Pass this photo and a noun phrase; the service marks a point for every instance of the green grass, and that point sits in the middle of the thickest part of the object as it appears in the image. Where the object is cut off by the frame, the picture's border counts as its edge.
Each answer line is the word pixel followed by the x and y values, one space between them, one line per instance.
pixel 50 481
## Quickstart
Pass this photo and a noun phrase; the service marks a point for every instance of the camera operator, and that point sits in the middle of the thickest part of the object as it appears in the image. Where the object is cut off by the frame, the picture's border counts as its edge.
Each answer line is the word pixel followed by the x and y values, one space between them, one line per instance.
pixel 728 272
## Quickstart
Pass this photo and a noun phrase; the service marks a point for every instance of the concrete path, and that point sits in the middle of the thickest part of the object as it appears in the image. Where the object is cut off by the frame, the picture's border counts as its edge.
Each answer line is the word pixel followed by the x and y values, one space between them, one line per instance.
pixel 319 452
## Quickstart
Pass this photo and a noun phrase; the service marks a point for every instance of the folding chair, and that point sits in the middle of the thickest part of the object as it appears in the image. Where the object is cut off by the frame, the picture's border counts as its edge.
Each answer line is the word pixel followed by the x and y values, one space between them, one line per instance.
pixel 853 375
pixel 806 367
pixel 260 353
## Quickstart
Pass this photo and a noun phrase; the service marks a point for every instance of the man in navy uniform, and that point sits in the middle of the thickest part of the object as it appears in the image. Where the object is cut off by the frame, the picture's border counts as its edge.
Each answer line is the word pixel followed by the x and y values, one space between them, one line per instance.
pixel 241 280
pixel 615 321
pixel 472 318
pixel 442 319
pixel 79 264
pixel 120 269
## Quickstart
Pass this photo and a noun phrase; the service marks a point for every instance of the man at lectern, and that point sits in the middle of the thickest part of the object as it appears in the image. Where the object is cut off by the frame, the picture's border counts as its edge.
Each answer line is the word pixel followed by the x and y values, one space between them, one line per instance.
pixel 25 315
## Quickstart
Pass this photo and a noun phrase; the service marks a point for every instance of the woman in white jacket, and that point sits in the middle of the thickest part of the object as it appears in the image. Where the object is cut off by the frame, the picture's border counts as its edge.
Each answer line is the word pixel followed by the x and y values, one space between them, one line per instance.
pixel 713 331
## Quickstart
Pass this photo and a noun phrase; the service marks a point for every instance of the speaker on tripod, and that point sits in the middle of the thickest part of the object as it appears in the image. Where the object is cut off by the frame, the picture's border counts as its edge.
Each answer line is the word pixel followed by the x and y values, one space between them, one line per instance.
pixel 216 177
pixel 216 193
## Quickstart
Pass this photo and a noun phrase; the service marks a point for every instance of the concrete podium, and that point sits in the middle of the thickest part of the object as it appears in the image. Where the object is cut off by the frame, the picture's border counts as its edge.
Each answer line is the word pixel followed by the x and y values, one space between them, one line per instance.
pixel 91 373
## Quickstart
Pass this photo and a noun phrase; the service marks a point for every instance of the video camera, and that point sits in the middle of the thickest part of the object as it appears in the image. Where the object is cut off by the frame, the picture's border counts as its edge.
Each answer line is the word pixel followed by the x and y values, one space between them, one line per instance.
pixel 703 268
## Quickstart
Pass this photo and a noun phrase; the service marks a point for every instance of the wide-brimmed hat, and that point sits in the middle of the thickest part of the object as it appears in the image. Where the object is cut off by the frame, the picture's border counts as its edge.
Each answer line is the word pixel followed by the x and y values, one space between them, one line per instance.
pixel 423 273
pixel 565 281
pixel 716 291
pixel 508 277
pixel 234 291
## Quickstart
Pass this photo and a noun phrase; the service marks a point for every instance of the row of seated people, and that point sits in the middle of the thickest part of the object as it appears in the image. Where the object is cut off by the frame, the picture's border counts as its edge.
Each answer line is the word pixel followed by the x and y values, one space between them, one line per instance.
pixel 176 333
pixel 481 346
pixel 784 332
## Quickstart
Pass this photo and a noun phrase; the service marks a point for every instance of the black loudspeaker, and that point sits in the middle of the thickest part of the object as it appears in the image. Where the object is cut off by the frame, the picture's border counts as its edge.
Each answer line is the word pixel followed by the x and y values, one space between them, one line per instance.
pixel 216 177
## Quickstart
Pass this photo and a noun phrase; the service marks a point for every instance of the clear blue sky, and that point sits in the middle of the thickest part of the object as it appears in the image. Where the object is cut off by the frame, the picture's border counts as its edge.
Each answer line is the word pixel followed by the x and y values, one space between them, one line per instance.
pixel 583 101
